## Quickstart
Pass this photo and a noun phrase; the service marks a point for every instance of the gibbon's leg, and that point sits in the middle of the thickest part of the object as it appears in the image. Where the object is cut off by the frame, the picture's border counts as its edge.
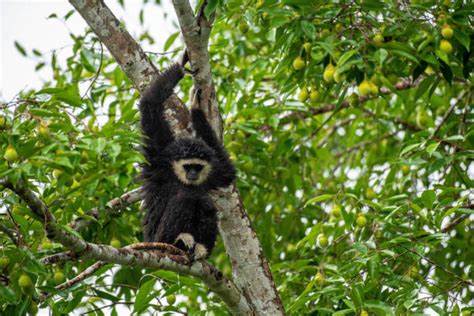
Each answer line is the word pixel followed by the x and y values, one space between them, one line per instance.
pixel 223 172
pixel 153 123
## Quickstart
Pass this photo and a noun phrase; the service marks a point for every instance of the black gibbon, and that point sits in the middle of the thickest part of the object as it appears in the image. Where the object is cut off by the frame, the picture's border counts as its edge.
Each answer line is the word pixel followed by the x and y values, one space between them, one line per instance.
pixel 180 173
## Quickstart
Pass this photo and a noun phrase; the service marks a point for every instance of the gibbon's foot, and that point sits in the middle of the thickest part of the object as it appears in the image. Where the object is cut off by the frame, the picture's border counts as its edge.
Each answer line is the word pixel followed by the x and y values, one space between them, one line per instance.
pixel 200 252
pixel 190 72
pixel 186 240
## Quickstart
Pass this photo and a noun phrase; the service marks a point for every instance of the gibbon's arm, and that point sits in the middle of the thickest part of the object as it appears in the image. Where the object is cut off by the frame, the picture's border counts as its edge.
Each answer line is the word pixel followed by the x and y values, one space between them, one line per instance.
pixel 223 173
pixel 154 126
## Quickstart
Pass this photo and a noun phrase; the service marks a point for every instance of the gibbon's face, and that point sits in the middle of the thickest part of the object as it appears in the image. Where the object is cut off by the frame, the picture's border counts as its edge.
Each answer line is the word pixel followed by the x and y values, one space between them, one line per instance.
pixel 192 171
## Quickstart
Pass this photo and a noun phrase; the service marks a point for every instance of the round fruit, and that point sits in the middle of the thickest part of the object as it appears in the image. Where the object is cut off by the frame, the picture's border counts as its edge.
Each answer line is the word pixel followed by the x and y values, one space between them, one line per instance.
pixel 290 248
pixel 314 96
pixel 26 284
pixel 447 32
pixel 413 272
pixel 361 220
pixel 336 210
pixel 243 27
pixel 303 95
pixel 259 4
pixel 171 299
pixel 339 77
pixel 363 313
pixel 323 241
pixel 429 70
pixel 298 63
pixel 4 262
pixel 354 99
pixel 43 130
pixel 328 73
pixel 405 169
pixel 84 156
pixel 364 88
pixel 3 122
pixel 319 278
pixel 378 39
pixel 370 193
pixel 59 277
pixel 115 243
pixel 10 154
pixel 33 308
pixel 307 47
pixel 422 119
pixel 373 88
pixel 446 46
pixel 339 27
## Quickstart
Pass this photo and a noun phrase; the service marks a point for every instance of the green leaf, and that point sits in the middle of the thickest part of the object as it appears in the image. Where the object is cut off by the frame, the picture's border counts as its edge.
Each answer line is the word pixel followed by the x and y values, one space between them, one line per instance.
pixel 20 48
pixel 171 40
pixel 319 198
pixel 428 197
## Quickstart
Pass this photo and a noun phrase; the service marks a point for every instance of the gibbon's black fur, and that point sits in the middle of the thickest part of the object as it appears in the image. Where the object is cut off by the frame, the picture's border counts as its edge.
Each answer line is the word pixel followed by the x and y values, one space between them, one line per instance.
pixel 179 174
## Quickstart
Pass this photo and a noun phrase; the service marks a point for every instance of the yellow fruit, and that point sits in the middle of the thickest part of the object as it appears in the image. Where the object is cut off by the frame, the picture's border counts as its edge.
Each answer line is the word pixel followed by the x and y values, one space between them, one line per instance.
pixel 290 248
pixel 373 88
pixel 171 299
pixel 363 313
pixel 361 220
pixel 405 169
pixel 259 4
pixel 364 87
pixel 26 284
pixel 75 184
pixel 10 154
pixel 3 122
pixel 303 95
pixel 446 31
pixel 328 73
pixel 446 46
pixel 59 152
pixel 339 77
pixel 323 241
pixel 33 308
pixel 4 262
pixel 336 211
pixel 370 193
pixel 319 278
pixel 115 243
pixel 59 277
pixel 422 119
pixel 314 96
pixel 298 63
pixel 378 39
pixel 413 272
pixel 307 47
pixel 42 130
pixel 243 27
pixel 57 173
pixel 429 70
pixel 46 244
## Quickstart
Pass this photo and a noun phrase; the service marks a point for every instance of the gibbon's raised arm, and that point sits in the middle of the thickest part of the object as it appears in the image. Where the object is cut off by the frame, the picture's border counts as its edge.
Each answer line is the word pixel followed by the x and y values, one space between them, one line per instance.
pixel 154 125
pixel 223 172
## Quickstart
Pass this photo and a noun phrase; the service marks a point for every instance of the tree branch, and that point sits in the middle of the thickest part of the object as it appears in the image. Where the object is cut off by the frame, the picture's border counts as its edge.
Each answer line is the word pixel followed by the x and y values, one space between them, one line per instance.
pixel 214 279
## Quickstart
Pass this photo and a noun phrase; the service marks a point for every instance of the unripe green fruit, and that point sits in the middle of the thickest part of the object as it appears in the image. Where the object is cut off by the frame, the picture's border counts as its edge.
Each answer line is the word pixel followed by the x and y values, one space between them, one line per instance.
pixel 446 46
pixel 59 277
pixel 307 47
pixel 298 63
pixel 328 73
pixel 303 95
pixel 314 96
pixel 370 194
pixel 4 262
pixel 243 27
pixel 373 88
pixel 354 100
pixel 447 32
pixel 3 122
pixel 405 169
pixel 115 243
pixel 323 241
pixel 319 278
pixel 171 299
pixel 42 130
pixel 33 308
pixel 259 4
pixel 290 248
pixel 361 220
pixel 336 211
pixel 26 284
pixel 364 313
pixel 413 272
pixel 11 154
pixel 57 173
pixel 378 39
pixel 422 119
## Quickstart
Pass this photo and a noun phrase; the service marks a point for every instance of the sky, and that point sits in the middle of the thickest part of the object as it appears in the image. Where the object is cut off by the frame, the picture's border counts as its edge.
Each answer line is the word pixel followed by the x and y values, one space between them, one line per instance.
pixel 26 21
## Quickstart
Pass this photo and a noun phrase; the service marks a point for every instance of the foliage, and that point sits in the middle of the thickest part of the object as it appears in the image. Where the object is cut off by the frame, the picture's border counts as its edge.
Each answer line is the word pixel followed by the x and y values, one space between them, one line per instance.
pixel 365 186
